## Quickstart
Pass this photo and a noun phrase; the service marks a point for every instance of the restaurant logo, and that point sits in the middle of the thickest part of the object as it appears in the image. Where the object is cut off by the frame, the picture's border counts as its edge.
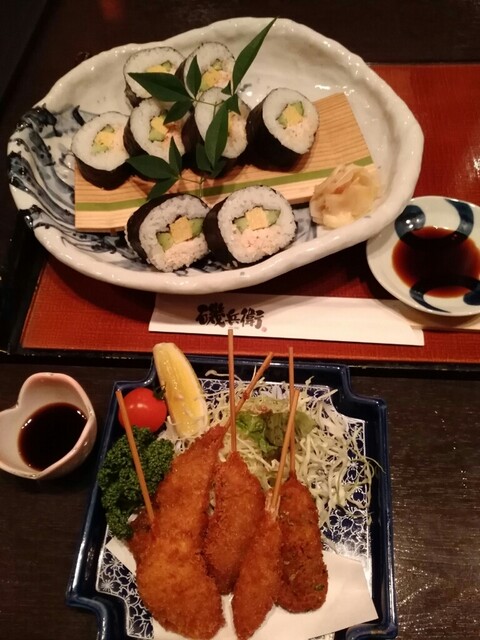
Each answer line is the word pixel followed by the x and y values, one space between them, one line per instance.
pixel 216 314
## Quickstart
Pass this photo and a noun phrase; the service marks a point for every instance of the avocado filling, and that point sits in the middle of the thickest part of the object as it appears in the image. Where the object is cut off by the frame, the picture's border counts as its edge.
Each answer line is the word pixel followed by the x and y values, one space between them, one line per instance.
pixel 212 76
pixel 165 67
pixel 104 140
pixel 158 131
pixel 180 230
pixel 291 115
pixel 257 218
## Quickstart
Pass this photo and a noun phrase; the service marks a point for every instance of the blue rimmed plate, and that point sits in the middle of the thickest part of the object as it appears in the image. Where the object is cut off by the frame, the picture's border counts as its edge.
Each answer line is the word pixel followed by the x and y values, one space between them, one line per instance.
pixel 429 257
pixel 101 585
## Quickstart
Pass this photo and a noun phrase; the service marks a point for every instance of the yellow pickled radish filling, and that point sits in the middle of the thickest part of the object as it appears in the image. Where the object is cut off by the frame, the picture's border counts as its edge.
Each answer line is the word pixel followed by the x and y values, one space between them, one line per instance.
pixel 165 67
pixel 104 140
pixel 257 218
pixel 158 131
pixel 291 115
pixel 212 76
pixel 180 230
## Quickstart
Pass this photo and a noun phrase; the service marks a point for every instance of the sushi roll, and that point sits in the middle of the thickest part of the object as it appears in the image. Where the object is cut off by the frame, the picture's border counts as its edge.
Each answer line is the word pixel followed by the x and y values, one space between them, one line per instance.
pixel 215 62
pixel 155 60
pixel 99 150
pixel 146 132
pixel 281 128
pixel 251 224
pixel 196 127
pixel 167 232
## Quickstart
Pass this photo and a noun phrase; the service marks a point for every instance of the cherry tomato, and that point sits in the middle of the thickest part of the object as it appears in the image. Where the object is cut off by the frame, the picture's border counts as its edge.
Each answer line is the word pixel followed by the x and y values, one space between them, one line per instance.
pixel 145 408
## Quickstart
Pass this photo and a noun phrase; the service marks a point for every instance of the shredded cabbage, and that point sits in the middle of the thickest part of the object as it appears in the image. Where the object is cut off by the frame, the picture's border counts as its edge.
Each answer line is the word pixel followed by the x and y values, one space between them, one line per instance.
pixel 330 460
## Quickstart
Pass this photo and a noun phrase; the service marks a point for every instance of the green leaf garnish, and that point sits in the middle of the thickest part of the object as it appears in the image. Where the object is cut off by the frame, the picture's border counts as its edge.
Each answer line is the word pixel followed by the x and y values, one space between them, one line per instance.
pixel 194 77
pixel 217 134
pixel 201 159
pixel 177 111
pixel 247 56
pixel 161 187
pixel 232 103
pixel 153 167
pixel 174 157
pixel 163 86
pixel 218 168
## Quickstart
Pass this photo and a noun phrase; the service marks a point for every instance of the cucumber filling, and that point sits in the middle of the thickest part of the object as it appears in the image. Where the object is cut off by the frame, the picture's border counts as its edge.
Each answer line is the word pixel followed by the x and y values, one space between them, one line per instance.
pixel 104 140
pixel 212 76
pixel 164 67
pixel 257 218
pixel 158 131
pixel 291 115
pixel 181 230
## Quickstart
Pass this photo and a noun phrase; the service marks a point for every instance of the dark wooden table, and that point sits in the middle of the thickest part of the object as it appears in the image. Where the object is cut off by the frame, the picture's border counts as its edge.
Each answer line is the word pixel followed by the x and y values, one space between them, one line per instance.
pixel 434 423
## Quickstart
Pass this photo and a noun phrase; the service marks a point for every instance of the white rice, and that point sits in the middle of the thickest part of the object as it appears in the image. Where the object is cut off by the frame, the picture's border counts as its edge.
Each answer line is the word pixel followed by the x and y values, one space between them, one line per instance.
pixel 143 60
pixel 252 245
pixel 158 220
pixel 207 53
pixel 139 123
pixel 83 140
pixel 237 135
pixel 298 137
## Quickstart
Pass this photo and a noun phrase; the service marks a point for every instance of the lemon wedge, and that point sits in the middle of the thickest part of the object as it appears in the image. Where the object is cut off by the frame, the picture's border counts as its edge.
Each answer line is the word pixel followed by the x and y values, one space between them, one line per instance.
pixel 186 402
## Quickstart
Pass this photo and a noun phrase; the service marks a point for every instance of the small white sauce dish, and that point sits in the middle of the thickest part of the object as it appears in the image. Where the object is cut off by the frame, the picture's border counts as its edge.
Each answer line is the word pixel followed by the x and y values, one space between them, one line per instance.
pixel 39 392
pixel 429 257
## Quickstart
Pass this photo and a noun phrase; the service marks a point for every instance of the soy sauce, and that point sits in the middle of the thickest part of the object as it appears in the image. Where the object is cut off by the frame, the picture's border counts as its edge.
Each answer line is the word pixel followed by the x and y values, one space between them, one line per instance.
pixel 49 434
pixel 439 256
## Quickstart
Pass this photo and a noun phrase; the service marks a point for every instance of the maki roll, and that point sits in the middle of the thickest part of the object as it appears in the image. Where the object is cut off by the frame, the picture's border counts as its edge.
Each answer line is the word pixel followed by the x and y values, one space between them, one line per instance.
pixel 99 150
pixel 146 132
pixel 196 127
pixel 155 60
pixel 281 128
pixel 249 225
pixel 215 62
pixel 167 232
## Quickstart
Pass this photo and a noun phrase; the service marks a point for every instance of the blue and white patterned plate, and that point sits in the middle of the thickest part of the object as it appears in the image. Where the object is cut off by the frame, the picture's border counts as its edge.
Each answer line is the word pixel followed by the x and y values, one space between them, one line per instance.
pixel 429 258
pixel 101 584
pixel 41 165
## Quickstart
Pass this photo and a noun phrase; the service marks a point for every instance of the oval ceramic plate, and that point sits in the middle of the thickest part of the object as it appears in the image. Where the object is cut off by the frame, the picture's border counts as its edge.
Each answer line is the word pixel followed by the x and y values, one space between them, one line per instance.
pixel 443 232
pixel 41 165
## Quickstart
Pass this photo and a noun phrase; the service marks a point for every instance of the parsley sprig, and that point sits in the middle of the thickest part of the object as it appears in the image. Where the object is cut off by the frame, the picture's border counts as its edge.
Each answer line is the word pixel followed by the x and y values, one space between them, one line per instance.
pixel 184 96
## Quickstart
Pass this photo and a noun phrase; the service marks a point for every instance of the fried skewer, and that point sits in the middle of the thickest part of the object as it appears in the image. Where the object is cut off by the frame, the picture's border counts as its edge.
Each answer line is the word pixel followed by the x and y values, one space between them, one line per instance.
pixel 172 576
pixel 304 578
pixel 239 504
pixel 259 579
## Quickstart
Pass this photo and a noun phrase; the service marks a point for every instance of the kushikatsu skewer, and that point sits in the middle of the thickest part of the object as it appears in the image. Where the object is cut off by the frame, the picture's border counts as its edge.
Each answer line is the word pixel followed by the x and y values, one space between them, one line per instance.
pixel 239 504
pixel 258 582
pixel 304 578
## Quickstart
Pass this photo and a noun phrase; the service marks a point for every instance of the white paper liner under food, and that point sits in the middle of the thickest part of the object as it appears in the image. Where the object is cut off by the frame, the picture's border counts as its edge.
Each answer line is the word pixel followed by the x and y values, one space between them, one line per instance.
pixel 348 603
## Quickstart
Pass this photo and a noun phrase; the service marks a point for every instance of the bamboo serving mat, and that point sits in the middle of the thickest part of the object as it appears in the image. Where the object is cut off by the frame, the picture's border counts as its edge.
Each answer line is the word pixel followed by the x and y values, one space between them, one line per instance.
pixel 338 140
pixel 70 311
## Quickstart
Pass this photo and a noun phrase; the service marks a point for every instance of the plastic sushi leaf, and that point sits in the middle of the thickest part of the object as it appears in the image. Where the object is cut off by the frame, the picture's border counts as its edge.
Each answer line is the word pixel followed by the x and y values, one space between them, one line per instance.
pixel 161 187
pixel 174 157
pixel 153 167
pixel 177 111
pixel 247 56
pixel 217 134
pixel 163 86
pixel 194 77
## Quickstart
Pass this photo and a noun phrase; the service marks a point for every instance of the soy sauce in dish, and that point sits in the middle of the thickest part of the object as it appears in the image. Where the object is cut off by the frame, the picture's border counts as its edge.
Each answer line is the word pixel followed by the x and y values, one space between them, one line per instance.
pixel 49 434
pixel 438 256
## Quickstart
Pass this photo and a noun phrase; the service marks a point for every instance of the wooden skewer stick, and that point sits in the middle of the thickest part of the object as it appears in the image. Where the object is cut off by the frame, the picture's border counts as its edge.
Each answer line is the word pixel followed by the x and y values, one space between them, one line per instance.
pixel 285 447
pixel 291 387
pixel 135 456
pixel 251 385
pixel 231 385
